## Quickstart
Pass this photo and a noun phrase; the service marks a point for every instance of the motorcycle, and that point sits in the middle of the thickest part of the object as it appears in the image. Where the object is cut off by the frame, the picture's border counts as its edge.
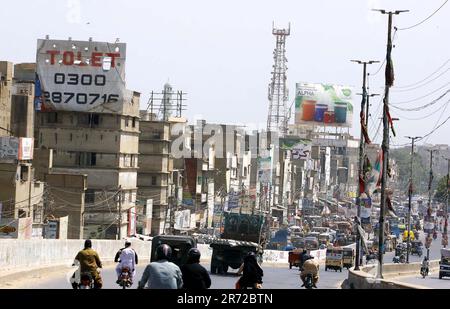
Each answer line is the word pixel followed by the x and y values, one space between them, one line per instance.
pixel 435 235
pixel 424 271
pixel 86 282
pixel 125 278
pixel 308 281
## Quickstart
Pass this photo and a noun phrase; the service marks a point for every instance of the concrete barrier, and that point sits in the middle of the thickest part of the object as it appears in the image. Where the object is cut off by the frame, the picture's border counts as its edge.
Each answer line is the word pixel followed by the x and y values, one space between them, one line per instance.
pixel 22 255
pixel 365 278
pixel 16 254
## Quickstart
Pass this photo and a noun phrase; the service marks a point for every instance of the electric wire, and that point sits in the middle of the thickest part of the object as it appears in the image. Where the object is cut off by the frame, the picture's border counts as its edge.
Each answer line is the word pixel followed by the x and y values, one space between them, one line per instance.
pixel 413 84
pixel 413 26
pixel 424 96
pixel 427 116
pixel 424 84
pixel 419 108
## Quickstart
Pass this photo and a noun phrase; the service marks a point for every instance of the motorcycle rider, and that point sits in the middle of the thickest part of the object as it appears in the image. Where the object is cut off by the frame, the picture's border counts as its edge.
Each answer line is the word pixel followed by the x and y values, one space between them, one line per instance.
pixel 425 264
pixel 310 266
pixel 195 276
pixel 252 273
pixel 126 257
pixel 162 274
pixel 90 262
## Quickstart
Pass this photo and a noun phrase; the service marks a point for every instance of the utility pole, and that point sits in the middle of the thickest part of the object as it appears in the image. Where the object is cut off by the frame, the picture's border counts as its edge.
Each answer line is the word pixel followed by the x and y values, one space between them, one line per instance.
pixel 358 257
pixel 445 236
pixel 429 211
pixel 119 228
pixel 410 190
pixel 367 107
pixel 389 78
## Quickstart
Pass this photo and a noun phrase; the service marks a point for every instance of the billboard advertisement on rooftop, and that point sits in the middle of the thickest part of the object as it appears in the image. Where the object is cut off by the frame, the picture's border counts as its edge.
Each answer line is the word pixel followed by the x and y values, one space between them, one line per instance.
pixel 323 105
pixel 82 76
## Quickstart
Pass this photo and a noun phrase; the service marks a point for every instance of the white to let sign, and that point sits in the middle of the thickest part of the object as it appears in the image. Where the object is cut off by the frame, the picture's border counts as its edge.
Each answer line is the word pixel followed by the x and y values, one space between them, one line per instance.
pixel 81 76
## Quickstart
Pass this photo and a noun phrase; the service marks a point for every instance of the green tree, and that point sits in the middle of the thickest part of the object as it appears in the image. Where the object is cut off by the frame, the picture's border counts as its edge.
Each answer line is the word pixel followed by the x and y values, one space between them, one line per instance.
pixel 441 191
pixel 402 157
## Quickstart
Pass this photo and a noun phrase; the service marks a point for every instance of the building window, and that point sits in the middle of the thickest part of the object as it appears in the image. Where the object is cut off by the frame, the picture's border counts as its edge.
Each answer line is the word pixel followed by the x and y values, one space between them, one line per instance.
pixel 86 136
pixel 52 117
pixel 89 196
pixel 94 120
pixel 133 122
pixel 71 119
pixel 153 180
pixel 40 138
pixel 71 136
pixel 155 134
pixel 101 137
pixel 24 173
pixel 126 122
pixel 56 138
pixel 86 159
pixel 116 138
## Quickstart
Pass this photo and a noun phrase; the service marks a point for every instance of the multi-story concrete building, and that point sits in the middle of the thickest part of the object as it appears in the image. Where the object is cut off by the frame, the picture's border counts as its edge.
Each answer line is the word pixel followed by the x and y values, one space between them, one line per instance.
pixel 105 148
pixel 155 168
pixel 21 196
pixel 92 122
pixel 6 76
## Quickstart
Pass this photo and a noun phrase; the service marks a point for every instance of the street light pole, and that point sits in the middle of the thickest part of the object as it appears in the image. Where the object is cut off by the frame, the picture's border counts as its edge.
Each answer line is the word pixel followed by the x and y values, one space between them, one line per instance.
pixel 429 210
pixel 389 79
pixel 410 190
pixel 358 257
pixel 444 233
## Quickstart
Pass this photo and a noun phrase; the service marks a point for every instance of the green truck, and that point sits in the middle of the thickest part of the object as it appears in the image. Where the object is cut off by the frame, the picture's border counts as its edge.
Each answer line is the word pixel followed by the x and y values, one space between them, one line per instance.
pixel 242 233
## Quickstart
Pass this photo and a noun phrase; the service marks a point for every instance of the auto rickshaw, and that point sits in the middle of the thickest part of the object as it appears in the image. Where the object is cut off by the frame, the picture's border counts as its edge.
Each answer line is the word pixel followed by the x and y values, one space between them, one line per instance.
pixel 411 235
pixel 295 258
pixel 417 247
pixel 333 259
pixel 348 257
pixel 180 246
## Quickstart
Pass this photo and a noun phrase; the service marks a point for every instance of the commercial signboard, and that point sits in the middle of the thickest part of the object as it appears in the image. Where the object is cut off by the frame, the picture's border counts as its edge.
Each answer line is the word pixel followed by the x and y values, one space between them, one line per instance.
pixel 82 76
pixel 300 148
pixel 182 219
pixel 323 104
pixel 16 148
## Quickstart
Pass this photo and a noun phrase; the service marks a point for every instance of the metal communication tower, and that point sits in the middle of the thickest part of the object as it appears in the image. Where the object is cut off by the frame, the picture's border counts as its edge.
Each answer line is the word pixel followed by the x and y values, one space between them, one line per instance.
pixel 277 119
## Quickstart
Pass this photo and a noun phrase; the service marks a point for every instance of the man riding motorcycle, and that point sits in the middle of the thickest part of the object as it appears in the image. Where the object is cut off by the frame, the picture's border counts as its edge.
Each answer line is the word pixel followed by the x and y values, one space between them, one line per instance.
pixel 309 266
pixel 89 263
pixel 425 265
pixel 126 257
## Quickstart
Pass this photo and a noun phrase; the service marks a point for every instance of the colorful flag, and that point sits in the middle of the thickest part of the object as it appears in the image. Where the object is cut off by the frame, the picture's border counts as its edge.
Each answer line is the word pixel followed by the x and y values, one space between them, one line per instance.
pixel 374 179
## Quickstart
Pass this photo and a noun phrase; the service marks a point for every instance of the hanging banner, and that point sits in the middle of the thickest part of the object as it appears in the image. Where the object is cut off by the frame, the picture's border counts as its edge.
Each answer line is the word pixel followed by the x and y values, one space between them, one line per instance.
pixel 366 206
pixel 81 76
pixel 264 168
pixel 323 104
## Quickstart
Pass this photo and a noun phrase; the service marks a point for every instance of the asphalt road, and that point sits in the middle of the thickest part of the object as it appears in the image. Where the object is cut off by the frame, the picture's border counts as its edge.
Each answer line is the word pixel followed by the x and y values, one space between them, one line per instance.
pixel 431 281
pixel 279 277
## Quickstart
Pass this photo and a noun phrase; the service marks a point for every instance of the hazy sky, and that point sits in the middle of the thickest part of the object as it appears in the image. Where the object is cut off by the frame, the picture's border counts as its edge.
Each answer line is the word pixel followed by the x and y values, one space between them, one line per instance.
pixel 220 52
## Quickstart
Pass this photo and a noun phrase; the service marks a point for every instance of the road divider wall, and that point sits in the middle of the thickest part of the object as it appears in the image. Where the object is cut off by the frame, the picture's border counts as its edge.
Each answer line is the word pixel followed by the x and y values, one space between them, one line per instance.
pixel 365 278
pixel 20 255
pixel 35 253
